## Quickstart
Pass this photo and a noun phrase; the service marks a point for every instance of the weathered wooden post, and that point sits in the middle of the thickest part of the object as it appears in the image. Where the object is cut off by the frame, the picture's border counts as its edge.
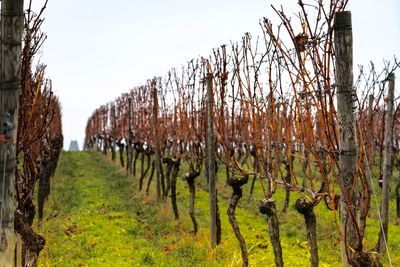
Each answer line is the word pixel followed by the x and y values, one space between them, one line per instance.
pixel 129 152
pixel 113 137
pixel 211 157
pixel 12 21
pixel 96 137
pixel 370 116
pixel 387 166
pixel 370 106
pixel 159 174
pixel 397 192
pixel 347 134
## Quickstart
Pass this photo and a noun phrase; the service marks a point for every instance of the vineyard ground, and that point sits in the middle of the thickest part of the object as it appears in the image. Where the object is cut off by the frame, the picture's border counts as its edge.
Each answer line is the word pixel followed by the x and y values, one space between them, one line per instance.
pixel 102 220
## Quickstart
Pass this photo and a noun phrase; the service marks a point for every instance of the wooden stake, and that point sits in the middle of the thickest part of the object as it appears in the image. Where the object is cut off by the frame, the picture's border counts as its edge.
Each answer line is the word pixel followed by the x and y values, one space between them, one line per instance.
pixel 12 20
pixel 387 166
pixel 211 157
pixel 347 134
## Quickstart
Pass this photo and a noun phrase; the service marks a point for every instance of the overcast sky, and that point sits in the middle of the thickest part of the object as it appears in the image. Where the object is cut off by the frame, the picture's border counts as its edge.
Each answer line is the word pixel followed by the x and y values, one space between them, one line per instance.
pixel 98 49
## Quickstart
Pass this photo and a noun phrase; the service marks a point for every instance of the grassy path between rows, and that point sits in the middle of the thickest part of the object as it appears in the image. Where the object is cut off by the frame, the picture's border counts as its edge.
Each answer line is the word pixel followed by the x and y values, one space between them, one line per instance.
pixel 102 220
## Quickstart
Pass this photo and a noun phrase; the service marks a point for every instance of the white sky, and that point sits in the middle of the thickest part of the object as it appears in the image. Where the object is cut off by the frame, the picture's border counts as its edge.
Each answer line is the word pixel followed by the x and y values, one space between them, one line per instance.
pixel 98 49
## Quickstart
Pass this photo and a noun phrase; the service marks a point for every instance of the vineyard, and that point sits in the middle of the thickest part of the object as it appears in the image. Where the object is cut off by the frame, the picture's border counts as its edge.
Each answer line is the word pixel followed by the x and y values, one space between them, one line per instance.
pixel 273 150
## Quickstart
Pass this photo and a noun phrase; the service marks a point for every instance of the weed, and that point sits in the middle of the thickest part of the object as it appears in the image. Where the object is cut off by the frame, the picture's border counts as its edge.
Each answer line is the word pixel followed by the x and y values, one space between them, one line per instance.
pixel 147 258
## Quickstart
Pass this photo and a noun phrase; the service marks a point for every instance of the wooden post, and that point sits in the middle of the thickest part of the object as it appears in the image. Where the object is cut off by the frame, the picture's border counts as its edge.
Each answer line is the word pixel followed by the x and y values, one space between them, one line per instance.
pixel 370 133
pixel 397 192
pixel 211 157
pixel 113 136
pixel 12 20
pixel 370 106
pixel 96 138
pixel 347 134
pixel 157 138
pixel 387 166
pixel 129 154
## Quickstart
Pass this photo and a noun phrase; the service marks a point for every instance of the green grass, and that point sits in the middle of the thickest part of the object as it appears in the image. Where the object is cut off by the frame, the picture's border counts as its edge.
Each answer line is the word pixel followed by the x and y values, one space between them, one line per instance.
pixel 103 221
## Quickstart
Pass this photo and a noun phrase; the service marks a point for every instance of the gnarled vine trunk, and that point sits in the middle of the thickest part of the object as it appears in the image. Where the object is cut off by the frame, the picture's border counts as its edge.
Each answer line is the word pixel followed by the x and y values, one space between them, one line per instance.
pixel 148 153
pixel 190 179
pixel 153 167
pixel 268 207
pixel 138 149
pixel 47 169
pixel 174 175
pixel 236 185
pixel 306 208
pixel 121 148
pixel 170 163
pixel 32 243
